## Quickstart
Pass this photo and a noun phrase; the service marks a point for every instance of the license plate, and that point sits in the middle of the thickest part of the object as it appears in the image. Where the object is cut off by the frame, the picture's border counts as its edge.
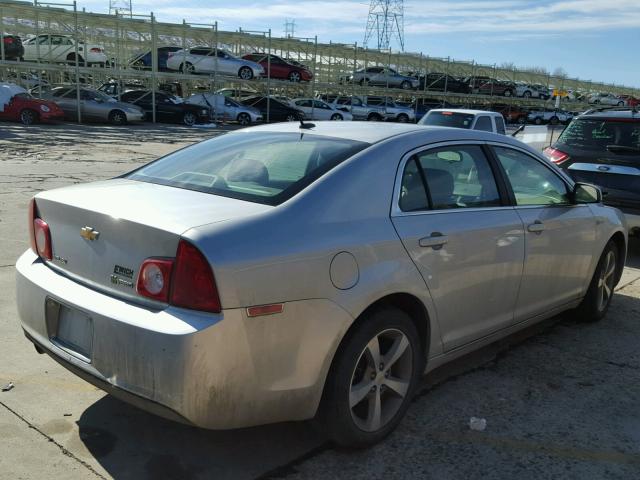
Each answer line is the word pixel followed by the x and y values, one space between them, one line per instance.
pixel 70 329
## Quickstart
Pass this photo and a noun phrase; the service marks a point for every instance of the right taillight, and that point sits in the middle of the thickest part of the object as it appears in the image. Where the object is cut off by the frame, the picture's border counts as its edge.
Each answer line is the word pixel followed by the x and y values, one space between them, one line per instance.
pixel 186 281
pixel 555 155
pixel 39 233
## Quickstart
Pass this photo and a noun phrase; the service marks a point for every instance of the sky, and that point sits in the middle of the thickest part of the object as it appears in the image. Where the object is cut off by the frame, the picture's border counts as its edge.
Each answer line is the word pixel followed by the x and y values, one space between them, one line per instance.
pixel 595 40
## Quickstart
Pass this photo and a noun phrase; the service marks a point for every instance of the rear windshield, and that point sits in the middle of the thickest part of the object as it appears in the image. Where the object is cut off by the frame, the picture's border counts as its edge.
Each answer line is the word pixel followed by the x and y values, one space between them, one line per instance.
pixel 261 167
pixel 447 119
pixel 598 133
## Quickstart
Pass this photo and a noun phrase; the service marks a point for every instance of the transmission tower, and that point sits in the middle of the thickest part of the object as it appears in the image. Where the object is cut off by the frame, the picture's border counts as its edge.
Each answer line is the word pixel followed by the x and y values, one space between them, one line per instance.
pixel 386 22
pixel 289 28
pixel 122 7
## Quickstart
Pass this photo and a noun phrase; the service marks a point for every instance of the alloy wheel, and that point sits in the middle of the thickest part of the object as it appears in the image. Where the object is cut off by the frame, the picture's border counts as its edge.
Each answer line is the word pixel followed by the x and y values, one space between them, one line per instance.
pixel 27 117
pixel 245 73
pixel 292 118
pixel 294 77
pixel 381 380
pixel 118 118
pixel 336 117
pixel 244 119
pixel 189 119
pixel 606 280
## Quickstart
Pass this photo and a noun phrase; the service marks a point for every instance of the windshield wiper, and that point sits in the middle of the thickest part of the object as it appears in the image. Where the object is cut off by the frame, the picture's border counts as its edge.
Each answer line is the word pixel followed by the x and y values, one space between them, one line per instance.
pixel 622 149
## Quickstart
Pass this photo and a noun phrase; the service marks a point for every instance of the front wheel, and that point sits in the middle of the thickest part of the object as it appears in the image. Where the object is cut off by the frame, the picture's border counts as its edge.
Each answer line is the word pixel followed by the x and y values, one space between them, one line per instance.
pixel 596 302
pixel 295 77
pixel 508 93
pixel 244 119
pixel 292 118
pixel 406 85
pixel 372 379
pixel 538 121
pixel 527 94
pixel 554 121
pixel 621 104
pixel 245 73
pixel 337 117
pixel 28 117
pixel 374 117
pixel 189 119
pixel 117 117
pixel 403 118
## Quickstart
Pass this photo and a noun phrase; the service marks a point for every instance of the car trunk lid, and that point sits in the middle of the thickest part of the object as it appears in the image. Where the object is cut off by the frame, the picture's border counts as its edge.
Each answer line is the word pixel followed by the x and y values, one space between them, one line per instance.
pixel 102 232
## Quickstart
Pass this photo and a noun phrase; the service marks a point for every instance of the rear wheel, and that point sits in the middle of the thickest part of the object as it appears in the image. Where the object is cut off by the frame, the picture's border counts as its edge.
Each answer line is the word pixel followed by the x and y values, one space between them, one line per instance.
pixel 364 81
pixel 189 119
pixel 621 104
pixel 527 94
pixel 295 77
pixel 337 117
pixel 522 120
pixel 292 118
pixel 28 116
pixel 71 58
pixel 554 120
pixel 244 119
pixel 372 379
pixel 596 302
pixel 508 93
pixel 405 85
pixel 403 118
pixel 117 117
pixel 374 117
pixel 245 73
pixel 538 121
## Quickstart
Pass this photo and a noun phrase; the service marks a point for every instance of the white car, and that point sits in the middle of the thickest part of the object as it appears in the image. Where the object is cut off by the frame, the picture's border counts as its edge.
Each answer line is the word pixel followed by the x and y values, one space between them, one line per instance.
pixel 212 60
pixel 226 109
pixel 607 99
pixel 532 91
pixel 62 48
pixel 315 109
pixel 484 120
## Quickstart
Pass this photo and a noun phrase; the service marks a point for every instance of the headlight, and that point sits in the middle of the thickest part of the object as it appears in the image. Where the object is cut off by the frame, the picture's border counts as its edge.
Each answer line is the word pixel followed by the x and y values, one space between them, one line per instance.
pixel 44 108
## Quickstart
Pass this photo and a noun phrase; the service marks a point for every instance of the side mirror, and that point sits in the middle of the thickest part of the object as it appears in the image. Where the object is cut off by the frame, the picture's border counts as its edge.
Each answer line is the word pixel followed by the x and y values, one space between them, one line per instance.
pixel 586 193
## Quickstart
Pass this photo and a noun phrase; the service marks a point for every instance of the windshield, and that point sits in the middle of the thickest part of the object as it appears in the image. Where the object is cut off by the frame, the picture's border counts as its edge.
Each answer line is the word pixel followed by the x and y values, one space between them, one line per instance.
pixel 447 119
pixel 597 134
pixel 261 167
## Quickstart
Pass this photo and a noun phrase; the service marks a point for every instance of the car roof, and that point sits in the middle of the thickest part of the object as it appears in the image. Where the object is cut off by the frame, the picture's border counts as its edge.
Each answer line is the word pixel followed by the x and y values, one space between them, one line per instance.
pixel 465 111
pixel 373 132
pixel 612 113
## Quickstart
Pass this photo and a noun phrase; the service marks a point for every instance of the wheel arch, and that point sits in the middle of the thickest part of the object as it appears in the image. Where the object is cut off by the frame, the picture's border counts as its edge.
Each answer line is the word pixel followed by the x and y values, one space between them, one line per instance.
pixel 619 239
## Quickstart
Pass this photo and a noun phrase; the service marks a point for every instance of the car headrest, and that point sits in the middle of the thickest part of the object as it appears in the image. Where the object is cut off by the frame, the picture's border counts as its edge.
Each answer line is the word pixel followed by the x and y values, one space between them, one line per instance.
pixel 248 171
pixel 440 186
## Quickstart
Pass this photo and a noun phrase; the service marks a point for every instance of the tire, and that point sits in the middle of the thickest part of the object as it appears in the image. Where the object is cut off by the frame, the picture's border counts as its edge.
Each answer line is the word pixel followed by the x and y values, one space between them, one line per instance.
pixel 403 118
pixel 189 119
pixel 554 120
pixel 526 94
pixel 374 117
pixel 405 85
pixel 245 73
pixel 28 116
pixel 364 81
pixel 187 68
pixel 621 104
pixel 292 118
pixel 538 121
pixel 508 93
pixel 596 102
pixel 337 117
pixel 295 77
pixel 244 119
pixel 596 302
pixel 522 120
pixel 117 117
pixel 359 380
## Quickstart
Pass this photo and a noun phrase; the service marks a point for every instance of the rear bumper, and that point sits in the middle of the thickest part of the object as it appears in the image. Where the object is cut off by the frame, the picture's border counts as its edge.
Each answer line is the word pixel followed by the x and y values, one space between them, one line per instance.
pixel 215 371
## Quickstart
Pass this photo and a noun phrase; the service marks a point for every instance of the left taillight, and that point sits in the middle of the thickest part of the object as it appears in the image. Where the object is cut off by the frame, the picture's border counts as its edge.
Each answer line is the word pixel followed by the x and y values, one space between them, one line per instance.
pixel 96 50
pixel 39 233
pixel 154 279
pixel 555 155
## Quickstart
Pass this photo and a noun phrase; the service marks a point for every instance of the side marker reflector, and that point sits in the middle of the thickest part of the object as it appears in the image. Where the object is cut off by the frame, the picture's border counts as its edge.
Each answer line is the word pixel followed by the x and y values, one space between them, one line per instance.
pixel 265 310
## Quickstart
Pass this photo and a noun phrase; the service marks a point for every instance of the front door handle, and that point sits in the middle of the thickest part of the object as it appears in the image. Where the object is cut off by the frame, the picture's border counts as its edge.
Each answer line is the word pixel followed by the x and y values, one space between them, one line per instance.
pixel 436 240
pixel 536 227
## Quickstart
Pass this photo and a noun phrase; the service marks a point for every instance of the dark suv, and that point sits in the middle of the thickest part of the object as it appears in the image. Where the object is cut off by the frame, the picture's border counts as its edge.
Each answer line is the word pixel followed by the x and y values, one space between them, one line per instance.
pixel 490 86
pixel 13 49
pixel 602 147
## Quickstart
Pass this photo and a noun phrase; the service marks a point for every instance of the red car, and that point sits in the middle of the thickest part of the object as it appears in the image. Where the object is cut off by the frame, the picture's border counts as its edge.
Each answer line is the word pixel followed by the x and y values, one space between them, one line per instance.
pixel 630 100
pixel 280 68
pixel 17 104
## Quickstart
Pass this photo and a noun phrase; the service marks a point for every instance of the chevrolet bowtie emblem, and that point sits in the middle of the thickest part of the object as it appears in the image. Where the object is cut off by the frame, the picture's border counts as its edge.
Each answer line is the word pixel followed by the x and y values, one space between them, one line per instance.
pixel 89 233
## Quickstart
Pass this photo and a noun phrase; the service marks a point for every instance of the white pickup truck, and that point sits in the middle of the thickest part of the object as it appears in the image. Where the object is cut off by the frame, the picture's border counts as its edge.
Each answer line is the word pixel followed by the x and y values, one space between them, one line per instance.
pixel 462 118
pixel 62 49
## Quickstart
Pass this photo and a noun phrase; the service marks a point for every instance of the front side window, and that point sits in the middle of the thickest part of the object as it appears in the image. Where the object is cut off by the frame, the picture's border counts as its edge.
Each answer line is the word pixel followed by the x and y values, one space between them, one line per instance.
pixel 500 127
pixel 258 167
pixel 531 181
pixel 455 177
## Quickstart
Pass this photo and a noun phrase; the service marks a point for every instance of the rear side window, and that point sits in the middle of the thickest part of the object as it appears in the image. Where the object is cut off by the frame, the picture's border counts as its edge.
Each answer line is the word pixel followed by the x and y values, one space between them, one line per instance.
pixel 261 167
pixel 484 123
pixel 448 119
pixel 500 127
pixel 455 177
pixel 598 134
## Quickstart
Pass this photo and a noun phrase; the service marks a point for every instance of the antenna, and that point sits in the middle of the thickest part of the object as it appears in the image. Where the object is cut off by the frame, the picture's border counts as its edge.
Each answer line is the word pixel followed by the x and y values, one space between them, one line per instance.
pixel 289 28
pixel 121 7
pixel 386 22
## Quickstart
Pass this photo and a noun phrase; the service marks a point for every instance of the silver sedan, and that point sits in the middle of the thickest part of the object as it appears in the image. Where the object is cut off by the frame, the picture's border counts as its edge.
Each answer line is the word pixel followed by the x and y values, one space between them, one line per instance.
pixel 287 272
pixel 95 106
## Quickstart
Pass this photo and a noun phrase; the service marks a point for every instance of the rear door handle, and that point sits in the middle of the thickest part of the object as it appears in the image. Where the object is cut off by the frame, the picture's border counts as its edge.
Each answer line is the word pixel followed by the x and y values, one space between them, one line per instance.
pixel 436 240
pixel 536 227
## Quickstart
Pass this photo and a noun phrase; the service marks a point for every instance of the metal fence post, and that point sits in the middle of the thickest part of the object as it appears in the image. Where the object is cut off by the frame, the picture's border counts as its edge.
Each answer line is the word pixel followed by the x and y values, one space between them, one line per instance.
pixel 77 61
pixel 154 67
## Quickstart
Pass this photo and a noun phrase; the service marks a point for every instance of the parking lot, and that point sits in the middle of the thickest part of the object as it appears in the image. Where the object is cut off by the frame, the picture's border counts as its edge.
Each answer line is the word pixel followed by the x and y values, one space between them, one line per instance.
pixel 560 399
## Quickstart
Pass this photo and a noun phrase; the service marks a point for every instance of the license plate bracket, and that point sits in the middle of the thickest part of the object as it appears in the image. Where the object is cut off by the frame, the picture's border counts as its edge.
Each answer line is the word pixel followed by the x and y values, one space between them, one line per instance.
pixel 69 329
